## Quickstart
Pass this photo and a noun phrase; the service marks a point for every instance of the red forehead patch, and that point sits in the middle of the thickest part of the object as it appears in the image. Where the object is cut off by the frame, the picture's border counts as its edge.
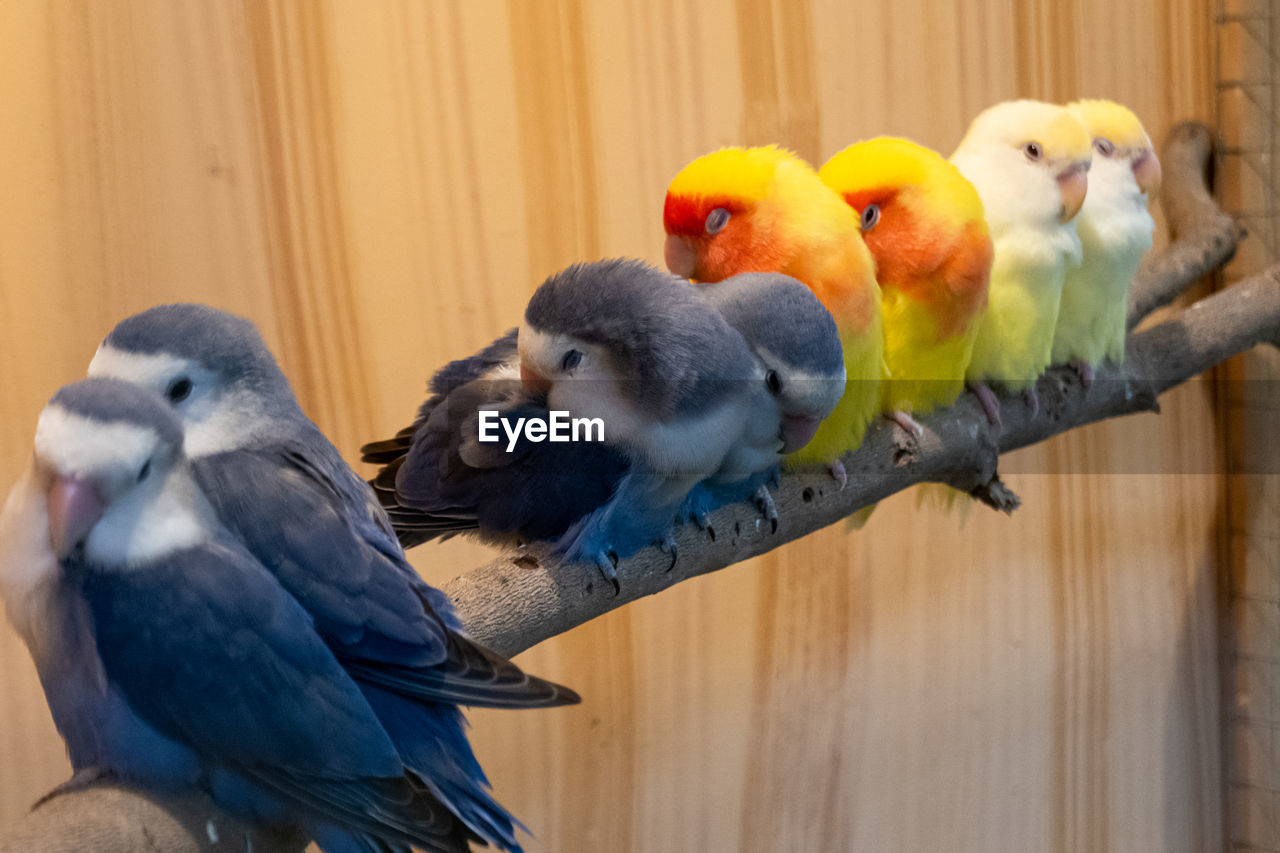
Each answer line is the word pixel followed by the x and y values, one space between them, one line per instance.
pixel 687 215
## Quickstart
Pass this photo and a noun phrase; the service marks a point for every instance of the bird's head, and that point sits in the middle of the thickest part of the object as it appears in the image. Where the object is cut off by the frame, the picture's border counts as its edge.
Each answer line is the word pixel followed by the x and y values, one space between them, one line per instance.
pixel 1121 147
pixel 917 213
pixel 101 443
pixel 612 338
pixel 212 367
pixel 735 210
pixel 796 342
pixel 1029 160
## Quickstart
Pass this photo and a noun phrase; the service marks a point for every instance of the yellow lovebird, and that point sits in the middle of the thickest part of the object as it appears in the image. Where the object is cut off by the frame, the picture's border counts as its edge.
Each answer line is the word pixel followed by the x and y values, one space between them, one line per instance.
pixel 764 209
pixel 1029 162
pixel 1115 231
pixel 924 225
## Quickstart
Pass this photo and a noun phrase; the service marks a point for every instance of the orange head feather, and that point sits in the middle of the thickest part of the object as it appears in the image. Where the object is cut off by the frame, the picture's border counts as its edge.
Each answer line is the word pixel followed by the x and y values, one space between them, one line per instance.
pixel 923 223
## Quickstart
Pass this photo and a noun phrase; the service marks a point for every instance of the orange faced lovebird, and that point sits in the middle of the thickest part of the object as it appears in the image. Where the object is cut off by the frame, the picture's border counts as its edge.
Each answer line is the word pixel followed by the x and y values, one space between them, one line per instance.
pixel 924 225
pixel 764 209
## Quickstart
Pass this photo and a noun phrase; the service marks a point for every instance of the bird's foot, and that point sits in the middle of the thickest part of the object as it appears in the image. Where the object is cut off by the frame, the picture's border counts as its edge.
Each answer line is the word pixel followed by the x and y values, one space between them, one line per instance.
pixel 1084 370
pixel 837 472
pixel 990 403
pixel 697 508
pixel 764 502
pixel 607 563
pixel 909 424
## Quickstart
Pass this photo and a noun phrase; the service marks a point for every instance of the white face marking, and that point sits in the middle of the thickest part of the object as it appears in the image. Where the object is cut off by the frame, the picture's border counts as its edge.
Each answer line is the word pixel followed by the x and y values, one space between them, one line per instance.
pixel 150 522
pixel 71 444
pixel 214 420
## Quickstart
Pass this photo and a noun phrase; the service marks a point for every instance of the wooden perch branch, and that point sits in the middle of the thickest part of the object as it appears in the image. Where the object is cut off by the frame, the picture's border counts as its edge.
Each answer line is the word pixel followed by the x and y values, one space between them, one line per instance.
pixel 520 600
pixel 107 818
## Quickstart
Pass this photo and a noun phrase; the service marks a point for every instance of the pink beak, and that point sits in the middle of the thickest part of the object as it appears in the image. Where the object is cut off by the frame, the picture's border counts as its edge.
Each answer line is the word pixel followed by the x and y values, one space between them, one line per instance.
pixel 680 256
pixel 1146 171
pixel 532 381
pixel 1073 183
pixel 797 430
pixel 74 508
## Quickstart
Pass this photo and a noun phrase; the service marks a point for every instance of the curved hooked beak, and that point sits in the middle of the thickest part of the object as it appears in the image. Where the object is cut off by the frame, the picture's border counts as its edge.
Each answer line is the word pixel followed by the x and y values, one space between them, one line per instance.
pixel 680 256
pixel 797 431
pixel 74 508
pixel 1147 172
pixel 532 381
pixel 1073 183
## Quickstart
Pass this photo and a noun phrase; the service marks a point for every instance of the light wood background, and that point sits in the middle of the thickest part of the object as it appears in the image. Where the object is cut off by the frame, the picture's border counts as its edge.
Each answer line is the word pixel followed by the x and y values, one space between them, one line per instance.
pixel 380 185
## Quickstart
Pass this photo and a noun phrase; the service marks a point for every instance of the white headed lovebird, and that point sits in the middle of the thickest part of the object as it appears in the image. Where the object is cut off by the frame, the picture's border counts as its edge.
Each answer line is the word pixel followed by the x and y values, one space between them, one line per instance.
pixel 1029 162
pixel 1115 231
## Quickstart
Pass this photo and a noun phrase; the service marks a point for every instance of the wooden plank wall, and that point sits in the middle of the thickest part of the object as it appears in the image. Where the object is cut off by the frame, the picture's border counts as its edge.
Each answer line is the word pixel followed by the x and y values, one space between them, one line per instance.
pixel 380 185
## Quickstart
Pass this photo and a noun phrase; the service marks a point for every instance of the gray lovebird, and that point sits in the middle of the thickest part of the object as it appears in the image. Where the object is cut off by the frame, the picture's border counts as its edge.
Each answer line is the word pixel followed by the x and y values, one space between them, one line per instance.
pixel 797 344
pixel 283 490
pixel 172 657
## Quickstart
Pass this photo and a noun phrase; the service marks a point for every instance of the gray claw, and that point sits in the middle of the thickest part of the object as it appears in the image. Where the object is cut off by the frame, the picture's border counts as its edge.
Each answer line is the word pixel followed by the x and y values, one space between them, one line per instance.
pixel 1032 399
pixel 990 403
pixel 608 566
pixel 668 545
pixel 837 472
pixel 768 509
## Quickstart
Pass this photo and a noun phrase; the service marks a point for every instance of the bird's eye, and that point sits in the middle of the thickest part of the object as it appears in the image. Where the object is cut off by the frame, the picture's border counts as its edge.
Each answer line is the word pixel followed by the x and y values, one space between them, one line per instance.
pixel 773 382
pixel 717 220
pixel 1104 146
pixel 178 390
pixel 1033 150
pixel 146 469
pixel 571 360
pixel 870 216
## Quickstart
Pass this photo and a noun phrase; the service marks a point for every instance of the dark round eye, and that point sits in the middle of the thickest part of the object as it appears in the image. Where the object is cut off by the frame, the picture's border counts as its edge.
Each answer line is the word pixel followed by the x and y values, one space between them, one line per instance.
pixel 146 469
pixel 1104 146
pixel 773 382
pixel 1033 150
pixel 178 390
pixel 571 360
pixel 870 216
pixel 717 220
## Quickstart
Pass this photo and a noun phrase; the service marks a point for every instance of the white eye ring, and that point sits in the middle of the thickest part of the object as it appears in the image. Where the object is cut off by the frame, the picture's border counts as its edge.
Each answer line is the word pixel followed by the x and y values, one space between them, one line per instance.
pixel 1034 150
pixel 1104 146
pixel 717 220
pixel 870 216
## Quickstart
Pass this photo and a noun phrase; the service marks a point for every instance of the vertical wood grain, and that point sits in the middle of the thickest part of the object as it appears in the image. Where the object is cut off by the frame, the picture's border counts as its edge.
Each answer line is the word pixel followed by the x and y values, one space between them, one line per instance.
pixel 381 185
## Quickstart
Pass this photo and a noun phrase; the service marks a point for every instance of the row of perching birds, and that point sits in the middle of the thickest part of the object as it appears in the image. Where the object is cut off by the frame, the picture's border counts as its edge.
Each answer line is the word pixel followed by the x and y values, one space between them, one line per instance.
pixel 213 597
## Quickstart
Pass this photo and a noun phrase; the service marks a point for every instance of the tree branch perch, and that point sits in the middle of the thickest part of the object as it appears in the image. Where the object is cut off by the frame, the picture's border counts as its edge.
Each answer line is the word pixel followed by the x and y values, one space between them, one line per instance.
pixel 519 600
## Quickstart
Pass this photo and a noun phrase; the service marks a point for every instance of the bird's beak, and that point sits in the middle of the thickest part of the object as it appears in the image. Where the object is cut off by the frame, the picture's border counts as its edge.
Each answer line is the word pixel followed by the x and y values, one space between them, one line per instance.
pixel 1146 171
pixel 1073 182
pixel 532 381
pixel 680 256
pixel 74 508
pixel 797 430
